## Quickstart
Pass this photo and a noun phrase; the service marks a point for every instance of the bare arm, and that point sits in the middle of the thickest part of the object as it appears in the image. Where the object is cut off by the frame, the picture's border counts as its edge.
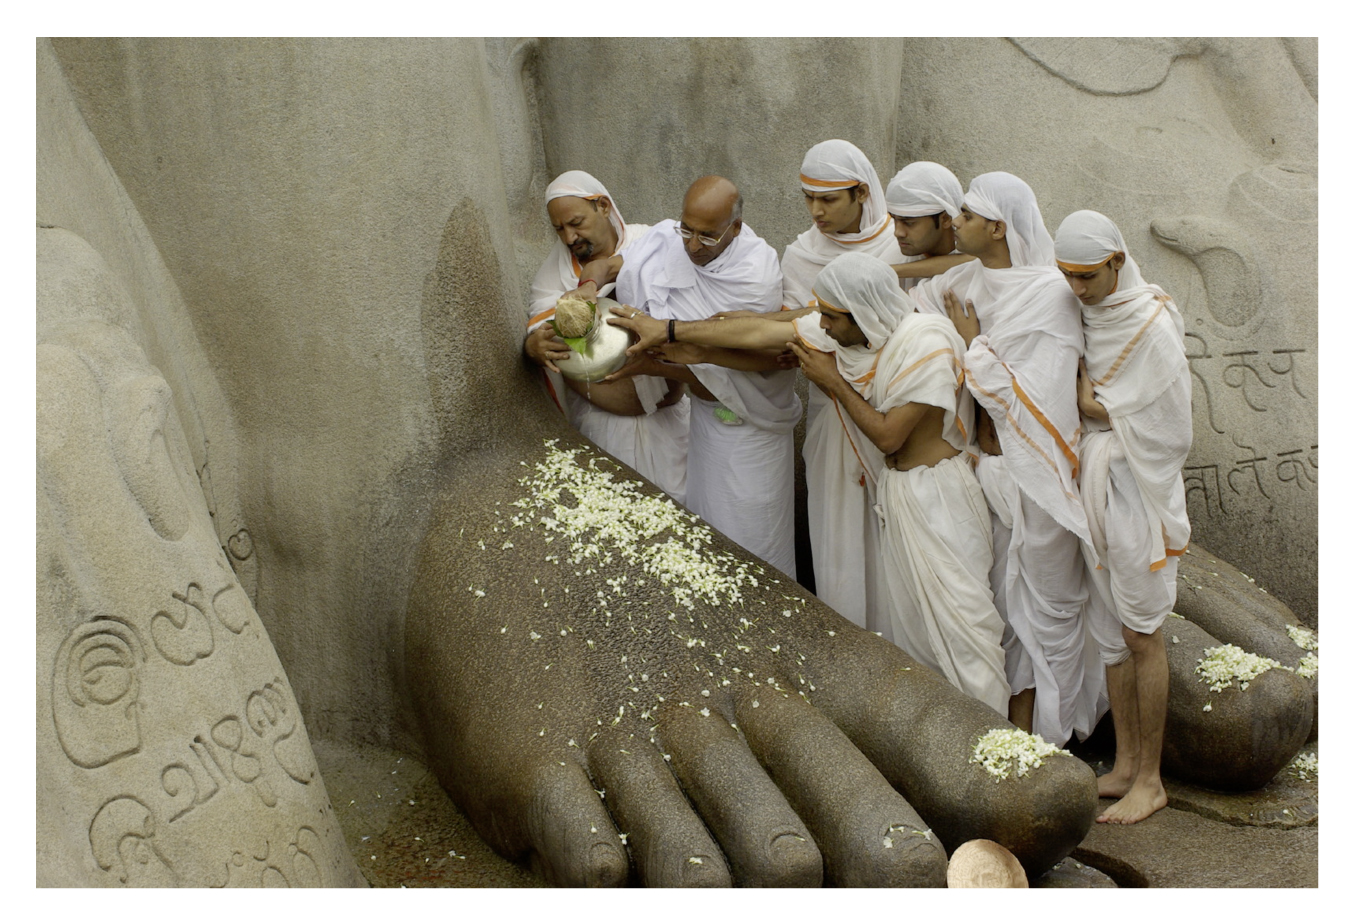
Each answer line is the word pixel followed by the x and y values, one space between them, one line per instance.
pixel 888 431
pixel 930 266
pixel 688 353
pixel 760 332
pixel 1085 396
pixel 646 364
pixel 597 274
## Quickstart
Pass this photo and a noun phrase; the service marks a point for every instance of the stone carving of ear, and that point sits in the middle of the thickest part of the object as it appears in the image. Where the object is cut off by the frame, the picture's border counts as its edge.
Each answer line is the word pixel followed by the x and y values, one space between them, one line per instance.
pixel 95 688
pixel 137 411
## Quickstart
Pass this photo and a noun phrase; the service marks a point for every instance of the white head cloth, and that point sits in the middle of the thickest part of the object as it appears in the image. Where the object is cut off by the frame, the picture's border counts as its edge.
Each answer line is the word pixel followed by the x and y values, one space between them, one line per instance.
pixel 923 188
pixel 578 184
pixel 836 165
pixel 1004 197
pixel 1087 239
pixel 866 288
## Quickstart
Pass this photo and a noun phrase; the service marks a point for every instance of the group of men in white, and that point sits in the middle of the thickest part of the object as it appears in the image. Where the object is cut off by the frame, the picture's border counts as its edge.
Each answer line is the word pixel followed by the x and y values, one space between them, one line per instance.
pixel 997 422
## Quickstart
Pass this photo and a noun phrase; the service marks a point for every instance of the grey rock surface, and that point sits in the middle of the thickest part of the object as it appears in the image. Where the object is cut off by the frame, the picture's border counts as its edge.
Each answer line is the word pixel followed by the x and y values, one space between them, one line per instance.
pixel 277 217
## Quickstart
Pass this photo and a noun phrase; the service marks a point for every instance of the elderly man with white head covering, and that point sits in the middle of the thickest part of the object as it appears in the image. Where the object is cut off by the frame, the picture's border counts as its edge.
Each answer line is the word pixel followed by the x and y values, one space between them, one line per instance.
pixel 643 421
pixel 1023 328
pixel 844 196
pixel 923 199
pixel 1136 396
pixel 740 469
pixel 896 374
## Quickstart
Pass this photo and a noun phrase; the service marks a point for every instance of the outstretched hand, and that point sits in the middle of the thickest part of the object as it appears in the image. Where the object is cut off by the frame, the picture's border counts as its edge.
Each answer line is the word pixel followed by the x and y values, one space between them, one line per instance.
pixel 964 317
pixel 651 332
pixel 818 367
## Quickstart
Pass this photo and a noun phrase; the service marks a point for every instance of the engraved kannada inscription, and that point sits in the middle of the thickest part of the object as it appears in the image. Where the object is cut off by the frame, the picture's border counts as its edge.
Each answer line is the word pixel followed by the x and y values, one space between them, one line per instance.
pixel 295 865
pixel 95 686
pixel 122 839
pixel 228 754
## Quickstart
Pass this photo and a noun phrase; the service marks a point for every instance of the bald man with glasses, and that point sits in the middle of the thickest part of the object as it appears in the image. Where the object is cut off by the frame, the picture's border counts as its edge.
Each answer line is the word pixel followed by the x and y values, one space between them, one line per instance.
pixel 740 466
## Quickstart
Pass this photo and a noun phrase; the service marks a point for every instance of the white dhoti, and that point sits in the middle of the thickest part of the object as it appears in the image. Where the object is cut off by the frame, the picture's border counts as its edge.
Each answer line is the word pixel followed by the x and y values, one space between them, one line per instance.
pixel 741 480
pixel 937 552
pixel 1039 587
pixel 1126 590
pixel 843 528
pixel 654 444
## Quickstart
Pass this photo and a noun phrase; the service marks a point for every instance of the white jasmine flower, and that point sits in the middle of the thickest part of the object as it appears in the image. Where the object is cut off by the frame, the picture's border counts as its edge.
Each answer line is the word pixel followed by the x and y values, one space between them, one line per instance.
pixel 1305 639
pixel 694 860
pixel 1207 707
pixel 479 593
pixel 1308 666
pixel 1222 665
pixel 1002 750
pixel 704 711
pixel 1305 766
pixel 534 635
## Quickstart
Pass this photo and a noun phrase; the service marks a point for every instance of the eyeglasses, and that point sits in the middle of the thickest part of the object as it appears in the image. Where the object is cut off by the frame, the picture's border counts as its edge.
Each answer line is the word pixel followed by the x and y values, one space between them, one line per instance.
pixel 686 233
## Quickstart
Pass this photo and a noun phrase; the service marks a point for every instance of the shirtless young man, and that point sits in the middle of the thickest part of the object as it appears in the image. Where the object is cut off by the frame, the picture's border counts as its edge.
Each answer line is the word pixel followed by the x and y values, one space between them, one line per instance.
pixel 896 373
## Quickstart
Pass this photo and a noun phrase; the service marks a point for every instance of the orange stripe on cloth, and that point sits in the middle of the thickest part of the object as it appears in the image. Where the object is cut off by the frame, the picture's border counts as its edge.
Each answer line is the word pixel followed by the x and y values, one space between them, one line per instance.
pixel 1047 424
pixel 1132 344
pixel 829 183
pixel 1073 267
pixel 916 364
pixel 540 317
pixel 845 429
pixel 1033 445
pixel 886 225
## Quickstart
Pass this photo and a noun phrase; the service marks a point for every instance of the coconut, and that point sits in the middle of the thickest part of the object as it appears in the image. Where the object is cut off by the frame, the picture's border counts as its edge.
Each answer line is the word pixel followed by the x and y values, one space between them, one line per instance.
pixel 573 317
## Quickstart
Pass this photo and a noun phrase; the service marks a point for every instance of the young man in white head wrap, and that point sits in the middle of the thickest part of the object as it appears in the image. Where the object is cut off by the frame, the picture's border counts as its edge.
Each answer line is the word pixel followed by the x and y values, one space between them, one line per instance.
pixel 1023 328
pixel 896 374
pixel 844 197
pixel 923 199
pixel 740 469
pixel 643 421
pixel 1136 396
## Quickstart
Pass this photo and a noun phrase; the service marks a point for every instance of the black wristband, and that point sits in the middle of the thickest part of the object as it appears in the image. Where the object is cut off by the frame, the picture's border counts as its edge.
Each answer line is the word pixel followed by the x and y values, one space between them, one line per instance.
pixel 671 330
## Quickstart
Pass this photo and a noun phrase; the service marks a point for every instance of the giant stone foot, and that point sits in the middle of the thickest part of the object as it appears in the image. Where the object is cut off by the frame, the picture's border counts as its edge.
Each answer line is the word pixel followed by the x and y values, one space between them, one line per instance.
pixel 603 682
pixel 1233 729
pixel 1227 604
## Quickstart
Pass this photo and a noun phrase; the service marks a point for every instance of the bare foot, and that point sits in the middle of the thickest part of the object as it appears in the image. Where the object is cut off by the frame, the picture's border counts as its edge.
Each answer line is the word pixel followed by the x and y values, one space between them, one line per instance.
pixel 591 712
pixel 1114 784
pixel 1139 803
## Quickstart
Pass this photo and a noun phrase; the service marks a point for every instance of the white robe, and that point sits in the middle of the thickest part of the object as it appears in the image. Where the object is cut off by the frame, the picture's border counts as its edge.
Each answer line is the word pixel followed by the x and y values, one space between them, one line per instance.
pixel 654 444
pixel 840 510
pixel 740 477
pixel 936 532
pixel 1022 369
pixel 1131 479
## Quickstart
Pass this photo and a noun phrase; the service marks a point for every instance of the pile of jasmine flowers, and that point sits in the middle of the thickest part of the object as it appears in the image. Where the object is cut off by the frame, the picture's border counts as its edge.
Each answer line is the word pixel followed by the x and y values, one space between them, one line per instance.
pixel 1305 766
pixel 1221 666
pixel 608 516
pixel 1305 639
pixel 1003 750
